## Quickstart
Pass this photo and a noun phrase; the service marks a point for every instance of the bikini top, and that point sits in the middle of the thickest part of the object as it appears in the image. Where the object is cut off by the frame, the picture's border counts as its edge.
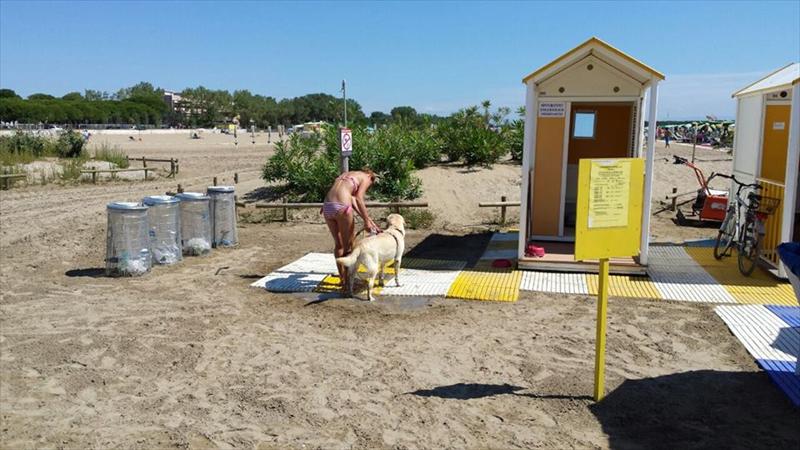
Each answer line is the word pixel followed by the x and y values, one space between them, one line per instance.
pixel 352 180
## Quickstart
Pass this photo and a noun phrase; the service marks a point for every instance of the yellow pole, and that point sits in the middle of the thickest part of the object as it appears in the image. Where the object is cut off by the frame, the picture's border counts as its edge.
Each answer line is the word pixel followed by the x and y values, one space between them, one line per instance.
pixel 600 342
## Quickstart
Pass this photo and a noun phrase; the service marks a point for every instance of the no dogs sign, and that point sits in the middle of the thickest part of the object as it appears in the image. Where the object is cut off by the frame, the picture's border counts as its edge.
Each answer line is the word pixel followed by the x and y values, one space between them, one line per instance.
pixel 346 139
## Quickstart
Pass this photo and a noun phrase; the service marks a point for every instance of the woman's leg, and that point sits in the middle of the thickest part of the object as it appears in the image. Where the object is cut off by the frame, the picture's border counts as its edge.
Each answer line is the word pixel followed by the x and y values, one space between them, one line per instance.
pixel 338 248
pixel 346 227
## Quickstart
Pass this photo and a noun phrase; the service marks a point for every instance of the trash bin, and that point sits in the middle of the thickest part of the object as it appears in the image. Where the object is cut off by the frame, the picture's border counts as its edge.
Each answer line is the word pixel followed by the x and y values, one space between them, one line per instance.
pixel 127 240
pixel 223 216
pixel 164 219
pixel 195 223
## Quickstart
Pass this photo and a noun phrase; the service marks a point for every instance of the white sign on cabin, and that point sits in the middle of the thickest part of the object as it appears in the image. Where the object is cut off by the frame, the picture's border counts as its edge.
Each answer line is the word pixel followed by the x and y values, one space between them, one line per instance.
pixel 778 125
pixel 551 109
pixel 346 140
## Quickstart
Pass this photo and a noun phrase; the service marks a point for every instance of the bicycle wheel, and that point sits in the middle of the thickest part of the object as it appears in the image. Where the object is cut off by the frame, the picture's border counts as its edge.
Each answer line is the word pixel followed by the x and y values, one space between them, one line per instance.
pixel 749 248
pixel 725 237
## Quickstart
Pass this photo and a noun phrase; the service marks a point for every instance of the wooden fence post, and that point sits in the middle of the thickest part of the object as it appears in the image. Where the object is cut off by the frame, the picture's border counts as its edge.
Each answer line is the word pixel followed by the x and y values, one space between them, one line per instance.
pixel 144 164
pixel 285 212
pixel 94 177
pixel 215 181
pixel 674 205
pixel 236 178
pixel 503 211
pixel 172 167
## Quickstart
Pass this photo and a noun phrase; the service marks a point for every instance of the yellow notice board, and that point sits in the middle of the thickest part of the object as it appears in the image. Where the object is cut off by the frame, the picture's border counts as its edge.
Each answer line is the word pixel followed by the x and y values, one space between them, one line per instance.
pixel 609 209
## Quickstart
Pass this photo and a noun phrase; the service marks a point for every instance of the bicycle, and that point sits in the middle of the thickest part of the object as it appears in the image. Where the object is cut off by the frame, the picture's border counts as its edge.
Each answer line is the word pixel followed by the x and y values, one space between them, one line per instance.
pixel 750 232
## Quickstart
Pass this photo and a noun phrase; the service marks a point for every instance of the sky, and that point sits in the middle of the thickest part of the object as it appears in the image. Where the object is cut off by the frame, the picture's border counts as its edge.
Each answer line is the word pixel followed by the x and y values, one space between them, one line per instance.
pixel 436 57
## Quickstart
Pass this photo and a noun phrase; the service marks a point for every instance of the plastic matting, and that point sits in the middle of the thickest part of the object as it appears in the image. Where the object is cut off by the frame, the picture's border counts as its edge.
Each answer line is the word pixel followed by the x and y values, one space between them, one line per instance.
pixel 302 275
pixel 510 236
pixel 501 246
pixel 770 340
pixel 789 314
pixel 487 285
pixel 759 288
pixel 677 276
pixel 563 283
pixel 425 277
pixel 625 286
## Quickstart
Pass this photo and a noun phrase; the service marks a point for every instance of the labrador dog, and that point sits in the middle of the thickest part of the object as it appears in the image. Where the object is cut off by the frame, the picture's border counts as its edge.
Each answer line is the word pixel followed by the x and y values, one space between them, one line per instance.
pixel 375 252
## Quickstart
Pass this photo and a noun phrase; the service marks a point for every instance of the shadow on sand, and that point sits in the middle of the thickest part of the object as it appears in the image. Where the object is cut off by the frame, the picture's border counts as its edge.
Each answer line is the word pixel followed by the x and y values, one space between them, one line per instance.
pixel 467 248
pixel 469 391
pixel 91 272
pixel 699 409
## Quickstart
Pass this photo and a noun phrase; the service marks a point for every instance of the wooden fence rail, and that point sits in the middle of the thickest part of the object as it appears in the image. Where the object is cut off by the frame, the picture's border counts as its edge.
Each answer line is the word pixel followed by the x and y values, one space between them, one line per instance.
pixel 174 166
pixel 8 178
pixel 393 206
pixel 502 204
pixel 94 172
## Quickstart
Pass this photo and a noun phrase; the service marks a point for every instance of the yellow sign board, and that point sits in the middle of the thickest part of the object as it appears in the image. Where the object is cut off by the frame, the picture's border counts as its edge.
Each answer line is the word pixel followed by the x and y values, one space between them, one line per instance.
pixel 608 224
pixel 609 208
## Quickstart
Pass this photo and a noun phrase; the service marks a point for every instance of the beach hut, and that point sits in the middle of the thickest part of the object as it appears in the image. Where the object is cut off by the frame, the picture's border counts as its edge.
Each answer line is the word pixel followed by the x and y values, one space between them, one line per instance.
pixel 766 150
pixel 587 103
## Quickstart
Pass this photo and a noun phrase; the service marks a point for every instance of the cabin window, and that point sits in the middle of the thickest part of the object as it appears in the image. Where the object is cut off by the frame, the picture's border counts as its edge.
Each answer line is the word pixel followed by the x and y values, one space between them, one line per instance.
pixel 584 125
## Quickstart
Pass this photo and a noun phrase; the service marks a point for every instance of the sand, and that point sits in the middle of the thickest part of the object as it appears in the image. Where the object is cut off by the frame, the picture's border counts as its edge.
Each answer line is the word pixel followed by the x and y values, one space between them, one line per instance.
pixel 190 356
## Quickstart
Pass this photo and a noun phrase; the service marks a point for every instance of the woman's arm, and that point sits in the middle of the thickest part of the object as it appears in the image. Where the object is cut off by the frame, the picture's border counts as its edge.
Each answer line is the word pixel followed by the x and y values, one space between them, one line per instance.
pixel 360 205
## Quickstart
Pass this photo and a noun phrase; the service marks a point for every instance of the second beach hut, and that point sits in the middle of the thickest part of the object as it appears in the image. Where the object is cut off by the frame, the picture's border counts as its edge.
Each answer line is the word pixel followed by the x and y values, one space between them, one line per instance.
pixel 766 150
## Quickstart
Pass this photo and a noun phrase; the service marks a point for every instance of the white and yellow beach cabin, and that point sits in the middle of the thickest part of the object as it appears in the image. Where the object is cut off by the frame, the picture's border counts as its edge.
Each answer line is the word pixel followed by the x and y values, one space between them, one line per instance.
pixel 766 150
pixel 587 103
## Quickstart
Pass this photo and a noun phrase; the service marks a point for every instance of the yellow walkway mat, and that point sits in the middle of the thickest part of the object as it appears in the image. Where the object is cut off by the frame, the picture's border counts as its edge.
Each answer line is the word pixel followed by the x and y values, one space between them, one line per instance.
pixel 487 285
pixel 625 286
pixel 759 288
pixel 332 283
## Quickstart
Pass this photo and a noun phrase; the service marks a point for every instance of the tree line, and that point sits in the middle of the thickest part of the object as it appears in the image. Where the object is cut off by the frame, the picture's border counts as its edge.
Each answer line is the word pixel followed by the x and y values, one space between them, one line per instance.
pixel 144 104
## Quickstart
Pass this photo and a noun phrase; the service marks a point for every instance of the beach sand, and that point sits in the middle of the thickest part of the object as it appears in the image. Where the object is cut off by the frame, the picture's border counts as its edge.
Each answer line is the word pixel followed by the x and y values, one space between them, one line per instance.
pixel 191 356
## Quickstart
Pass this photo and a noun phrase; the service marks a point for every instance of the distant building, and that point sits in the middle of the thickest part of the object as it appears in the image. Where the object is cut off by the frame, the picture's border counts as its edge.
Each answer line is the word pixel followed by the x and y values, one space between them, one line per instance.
pixel 172 99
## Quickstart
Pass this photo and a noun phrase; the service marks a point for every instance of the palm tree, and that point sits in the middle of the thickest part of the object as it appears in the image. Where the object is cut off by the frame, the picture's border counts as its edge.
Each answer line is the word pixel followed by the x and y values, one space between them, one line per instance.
pixel 486 104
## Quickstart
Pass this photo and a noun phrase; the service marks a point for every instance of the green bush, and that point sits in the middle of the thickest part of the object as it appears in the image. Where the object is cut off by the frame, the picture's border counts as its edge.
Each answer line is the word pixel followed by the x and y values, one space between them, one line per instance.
pixel 466 137
pixel 305 165
pixel 515 138
pixel 309 164
pixel 22 143
pixel 70 144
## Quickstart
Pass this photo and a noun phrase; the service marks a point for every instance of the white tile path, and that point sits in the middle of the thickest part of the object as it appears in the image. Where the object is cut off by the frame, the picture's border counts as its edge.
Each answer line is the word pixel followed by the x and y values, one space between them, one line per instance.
pixel 302 275
pixel 677 276
pixel 564 283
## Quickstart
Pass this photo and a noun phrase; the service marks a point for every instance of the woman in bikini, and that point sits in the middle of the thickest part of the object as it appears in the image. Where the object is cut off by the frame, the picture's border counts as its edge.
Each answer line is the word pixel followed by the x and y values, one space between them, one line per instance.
pixel 345 196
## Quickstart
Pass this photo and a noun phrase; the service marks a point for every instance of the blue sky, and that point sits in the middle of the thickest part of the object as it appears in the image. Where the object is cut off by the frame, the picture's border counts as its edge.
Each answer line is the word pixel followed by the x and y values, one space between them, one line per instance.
pixel 436 57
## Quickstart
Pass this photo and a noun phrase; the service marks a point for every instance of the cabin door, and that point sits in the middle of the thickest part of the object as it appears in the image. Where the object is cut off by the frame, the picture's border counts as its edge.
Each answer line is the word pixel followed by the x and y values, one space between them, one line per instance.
pixel 597 130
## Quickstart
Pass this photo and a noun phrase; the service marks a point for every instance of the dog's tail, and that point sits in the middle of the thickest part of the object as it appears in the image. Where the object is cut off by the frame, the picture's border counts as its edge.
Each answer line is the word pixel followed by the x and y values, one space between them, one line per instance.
pixel 350 259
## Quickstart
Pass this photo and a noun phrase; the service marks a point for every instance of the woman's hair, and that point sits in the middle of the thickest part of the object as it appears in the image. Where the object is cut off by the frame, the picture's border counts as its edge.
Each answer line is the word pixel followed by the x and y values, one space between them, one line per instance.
pixel 369 172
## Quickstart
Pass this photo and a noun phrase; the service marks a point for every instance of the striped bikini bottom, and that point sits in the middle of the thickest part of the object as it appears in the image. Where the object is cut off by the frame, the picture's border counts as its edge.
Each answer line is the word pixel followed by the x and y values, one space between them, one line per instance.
pixel 331 209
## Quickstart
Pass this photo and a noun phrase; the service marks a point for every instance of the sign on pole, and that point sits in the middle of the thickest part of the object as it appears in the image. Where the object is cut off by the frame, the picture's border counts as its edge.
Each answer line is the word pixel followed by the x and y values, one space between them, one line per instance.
pixel 346 139
pixel 608 224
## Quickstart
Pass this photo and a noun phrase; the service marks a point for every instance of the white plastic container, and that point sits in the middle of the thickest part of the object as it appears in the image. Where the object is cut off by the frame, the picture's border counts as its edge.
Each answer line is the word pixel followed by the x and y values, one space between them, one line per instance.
pixel 195 223
pixel 223 216
pixel 127 240
pixel 164 219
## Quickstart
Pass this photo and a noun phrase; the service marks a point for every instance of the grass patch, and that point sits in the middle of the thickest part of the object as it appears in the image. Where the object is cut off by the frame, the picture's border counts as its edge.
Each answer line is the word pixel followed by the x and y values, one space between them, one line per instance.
pixel 9 158
pixel 418 218
pixel 260 215
pixel 112 154
pixel 71 169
